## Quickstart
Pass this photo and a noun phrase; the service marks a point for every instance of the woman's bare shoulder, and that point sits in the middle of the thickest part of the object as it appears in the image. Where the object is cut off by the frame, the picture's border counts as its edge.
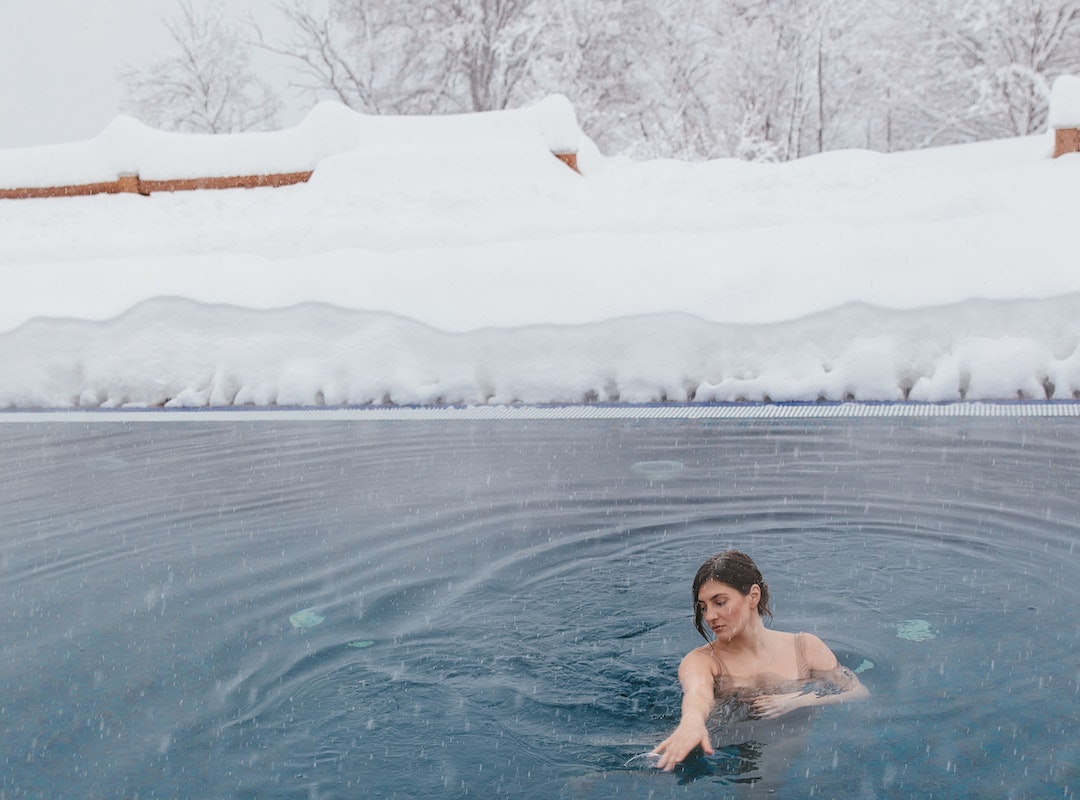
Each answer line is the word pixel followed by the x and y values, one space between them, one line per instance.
pixel 701 654
pixel 818 655
pixel 700 659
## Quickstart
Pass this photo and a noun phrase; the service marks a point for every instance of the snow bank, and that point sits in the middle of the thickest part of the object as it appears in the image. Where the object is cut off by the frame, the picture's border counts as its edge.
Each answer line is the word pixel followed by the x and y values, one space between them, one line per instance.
pixel 172 352
pixel 453 259
pixel 128 146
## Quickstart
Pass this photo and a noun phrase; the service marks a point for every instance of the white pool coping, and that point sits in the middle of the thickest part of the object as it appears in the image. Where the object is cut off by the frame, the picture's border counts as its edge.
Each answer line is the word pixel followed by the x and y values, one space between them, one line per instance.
pixel 600 411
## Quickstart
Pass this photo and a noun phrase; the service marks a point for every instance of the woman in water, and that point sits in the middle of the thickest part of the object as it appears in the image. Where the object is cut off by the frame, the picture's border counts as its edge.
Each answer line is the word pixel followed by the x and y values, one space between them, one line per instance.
pixel 770 671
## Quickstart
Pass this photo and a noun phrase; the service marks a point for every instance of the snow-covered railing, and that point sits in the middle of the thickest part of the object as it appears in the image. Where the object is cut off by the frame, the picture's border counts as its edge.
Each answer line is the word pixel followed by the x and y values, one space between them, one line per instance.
pixel 132 183
pixel 1065 114
pixel 131 157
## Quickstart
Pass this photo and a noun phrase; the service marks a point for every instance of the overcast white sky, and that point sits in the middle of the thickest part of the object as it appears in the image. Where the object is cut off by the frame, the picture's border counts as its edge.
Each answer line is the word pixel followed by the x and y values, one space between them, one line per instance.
pixel 59 60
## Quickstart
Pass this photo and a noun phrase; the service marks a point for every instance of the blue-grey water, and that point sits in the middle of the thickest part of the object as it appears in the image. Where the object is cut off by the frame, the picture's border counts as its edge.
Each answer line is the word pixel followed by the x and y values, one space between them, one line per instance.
pixel 340 609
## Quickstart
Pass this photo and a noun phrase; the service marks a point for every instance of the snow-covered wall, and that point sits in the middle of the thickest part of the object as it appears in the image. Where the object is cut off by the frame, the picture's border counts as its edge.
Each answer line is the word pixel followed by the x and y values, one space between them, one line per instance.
pixel 127 146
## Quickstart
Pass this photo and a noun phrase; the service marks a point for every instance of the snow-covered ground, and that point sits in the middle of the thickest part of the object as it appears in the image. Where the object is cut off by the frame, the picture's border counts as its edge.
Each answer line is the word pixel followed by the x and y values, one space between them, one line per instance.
pixel 455 260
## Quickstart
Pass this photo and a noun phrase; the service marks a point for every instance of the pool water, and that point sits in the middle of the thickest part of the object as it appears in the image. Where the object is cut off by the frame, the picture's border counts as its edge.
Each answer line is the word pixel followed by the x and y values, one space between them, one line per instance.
pixel 321 608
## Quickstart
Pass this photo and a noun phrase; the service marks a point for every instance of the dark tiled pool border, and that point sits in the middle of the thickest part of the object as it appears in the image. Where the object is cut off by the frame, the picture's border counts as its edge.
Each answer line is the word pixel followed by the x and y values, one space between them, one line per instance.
pixel 795 410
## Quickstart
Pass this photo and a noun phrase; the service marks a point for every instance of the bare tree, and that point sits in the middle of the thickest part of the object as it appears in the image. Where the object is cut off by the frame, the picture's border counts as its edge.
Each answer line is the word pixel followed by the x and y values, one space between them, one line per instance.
pixel 207 86
pixel 365 55
pixel 423 56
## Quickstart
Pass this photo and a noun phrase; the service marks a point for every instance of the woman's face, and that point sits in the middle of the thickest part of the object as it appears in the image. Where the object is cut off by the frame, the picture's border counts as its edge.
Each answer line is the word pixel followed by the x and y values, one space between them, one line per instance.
pixel 725 609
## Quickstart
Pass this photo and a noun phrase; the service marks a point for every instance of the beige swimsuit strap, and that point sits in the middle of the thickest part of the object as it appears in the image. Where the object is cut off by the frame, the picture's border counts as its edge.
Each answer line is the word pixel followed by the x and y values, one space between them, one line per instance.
pixel 715 657
pixel 800 655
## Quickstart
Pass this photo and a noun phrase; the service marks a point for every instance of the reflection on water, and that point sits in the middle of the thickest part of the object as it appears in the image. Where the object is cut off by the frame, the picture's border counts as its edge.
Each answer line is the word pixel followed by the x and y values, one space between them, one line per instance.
pixel 915 630
pixel 333 609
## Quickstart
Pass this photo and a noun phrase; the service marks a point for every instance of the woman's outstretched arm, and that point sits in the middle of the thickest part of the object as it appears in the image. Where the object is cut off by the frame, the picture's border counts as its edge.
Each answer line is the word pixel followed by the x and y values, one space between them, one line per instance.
pixel 696 677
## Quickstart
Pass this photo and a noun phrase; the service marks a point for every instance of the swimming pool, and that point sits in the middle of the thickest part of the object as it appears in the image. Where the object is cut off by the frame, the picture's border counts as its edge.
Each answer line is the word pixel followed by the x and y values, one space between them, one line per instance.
pixel 310 605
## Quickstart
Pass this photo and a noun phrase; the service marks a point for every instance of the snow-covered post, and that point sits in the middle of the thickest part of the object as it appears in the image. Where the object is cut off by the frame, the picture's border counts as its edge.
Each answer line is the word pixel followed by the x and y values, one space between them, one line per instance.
pixel 556 120
pixel 1065 114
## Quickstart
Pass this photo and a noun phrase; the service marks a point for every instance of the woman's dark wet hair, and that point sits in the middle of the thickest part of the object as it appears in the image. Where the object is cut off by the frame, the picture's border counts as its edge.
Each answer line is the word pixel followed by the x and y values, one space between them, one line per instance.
pixel 738 571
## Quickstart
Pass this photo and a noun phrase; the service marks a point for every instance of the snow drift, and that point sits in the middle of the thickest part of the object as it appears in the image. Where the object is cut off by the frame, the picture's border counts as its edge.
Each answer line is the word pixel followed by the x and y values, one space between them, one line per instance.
pixel 178 353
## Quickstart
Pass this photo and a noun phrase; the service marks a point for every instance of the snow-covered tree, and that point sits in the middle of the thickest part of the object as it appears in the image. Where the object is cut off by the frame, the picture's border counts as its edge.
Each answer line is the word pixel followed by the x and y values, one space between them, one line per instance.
pixel 756 79
pixel 746 78
pixel 985 66
pixel 592 66
pixel 489 48
pixel 676 65
pixel 207 85
pixel 641 72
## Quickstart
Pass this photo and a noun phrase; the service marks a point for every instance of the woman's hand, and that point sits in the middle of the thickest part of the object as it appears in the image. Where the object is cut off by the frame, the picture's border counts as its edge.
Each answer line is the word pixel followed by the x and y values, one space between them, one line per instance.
pixel 695 674
pixel 690 734
pixel 768 706
pixel 837 685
